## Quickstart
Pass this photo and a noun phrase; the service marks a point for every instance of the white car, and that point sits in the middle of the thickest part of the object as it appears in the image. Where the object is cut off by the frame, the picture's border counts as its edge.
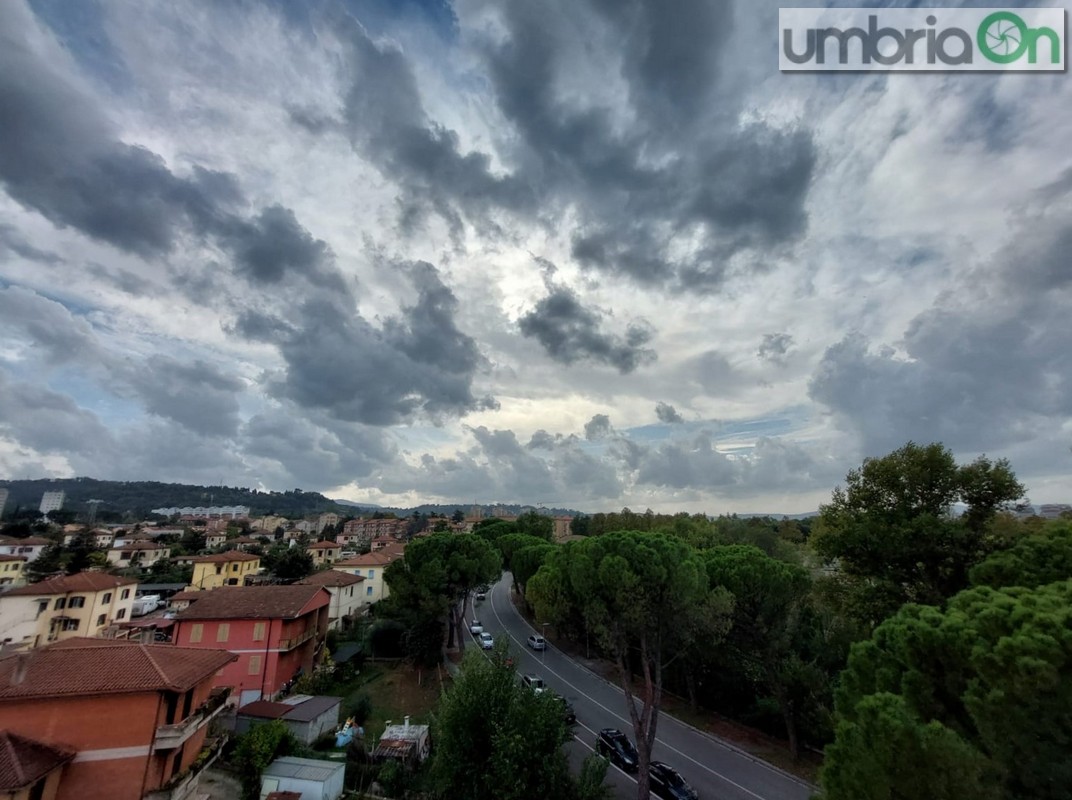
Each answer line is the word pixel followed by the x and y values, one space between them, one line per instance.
pixel 534 682
pixel 475 627
pixel 487 641
pixel 537 642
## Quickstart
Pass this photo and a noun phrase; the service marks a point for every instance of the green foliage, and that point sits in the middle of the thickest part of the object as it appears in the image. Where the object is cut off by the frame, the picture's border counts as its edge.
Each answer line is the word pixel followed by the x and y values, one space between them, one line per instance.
pixel 392 777
pixel 891 532
pixel 47 564
pixel 491 530
pixel 385 638
pixel 512 542
pixel 495 740
pixel 81 554
pixel 256 749
pixel 1035 560
pixel 291 565
pixel 359 706
pixel 533 524
pixel 980 693
pixel 166 572
pixel 526 561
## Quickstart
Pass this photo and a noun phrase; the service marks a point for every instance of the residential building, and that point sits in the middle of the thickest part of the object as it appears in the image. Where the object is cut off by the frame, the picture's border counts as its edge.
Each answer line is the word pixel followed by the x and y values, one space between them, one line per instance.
pixel 216 538
pixel 243 543
pixel 366 529
pixel 135 716
pixel 64 607
pixel 29 548
pixel 138 554
pixel 269 524
pixel 209 512
pixel 305 526
pixel 370 567
pixel 380 542
pixel 1054 510
pixel 323 521
pixel 563 528
pixel 29 769
pixel 51 501
pixel 99 537
pixel 223 569
pixel 276 632
pixel 3 501
pixel 347 595
pixel 11 571
pixel 325 552
pixel 217 525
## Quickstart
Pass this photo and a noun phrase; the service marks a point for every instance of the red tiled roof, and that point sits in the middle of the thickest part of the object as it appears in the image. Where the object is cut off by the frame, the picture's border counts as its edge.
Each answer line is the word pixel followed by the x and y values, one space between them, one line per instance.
pixel 324 545
pixel 12 558
pixel 255 602
pixel 380 558
pixel 265 709
pixel 23 761
pixel 29 541
pixel 244 540
pixel 284 796
pixel 140 545
pixel 106 666
pixel 224 558
pixel 63 584
pixel 331 577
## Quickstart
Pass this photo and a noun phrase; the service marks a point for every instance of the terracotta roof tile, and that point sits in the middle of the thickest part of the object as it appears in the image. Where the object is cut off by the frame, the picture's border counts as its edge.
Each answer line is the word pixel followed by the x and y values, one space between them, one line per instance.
pixel 331 577
pixel 254 602
pixel 12 558
pixel 227 557
pixel 81 582
pixel 380 558
pixel 324 545
pixel 106 666
pixel 23 760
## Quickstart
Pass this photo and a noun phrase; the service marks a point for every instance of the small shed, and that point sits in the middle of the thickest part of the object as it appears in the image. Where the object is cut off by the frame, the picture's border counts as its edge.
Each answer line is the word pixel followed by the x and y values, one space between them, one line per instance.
pixel 308 777
pixel 407 743
pixel 306 716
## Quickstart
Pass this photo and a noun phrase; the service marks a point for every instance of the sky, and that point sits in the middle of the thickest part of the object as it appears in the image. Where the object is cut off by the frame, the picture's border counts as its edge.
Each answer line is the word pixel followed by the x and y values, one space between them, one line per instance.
pixel 575 253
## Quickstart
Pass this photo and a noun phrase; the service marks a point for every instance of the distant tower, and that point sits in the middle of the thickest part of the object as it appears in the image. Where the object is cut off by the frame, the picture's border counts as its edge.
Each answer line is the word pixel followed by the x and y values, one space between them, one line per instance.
pixel 91 517
pixel 51 501
pixel 3 501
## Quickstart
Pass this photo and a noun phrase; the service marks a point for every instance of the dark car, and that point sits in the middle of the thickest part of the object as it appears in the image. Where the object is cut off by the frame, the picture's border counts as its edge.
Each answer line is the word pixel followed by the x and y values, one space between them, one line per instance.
pixel 567 711
pixel 668 784
pixel 614 745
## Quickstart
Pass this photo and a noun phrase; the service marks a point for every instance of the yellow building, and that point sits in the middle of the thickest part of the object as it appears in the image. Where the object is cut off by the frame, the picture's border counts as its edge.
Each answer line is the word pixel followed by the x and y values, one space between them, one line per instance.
pixel 63 608
pixel 223 569
pixel 325 552
pixel 371 567
pixel 11 570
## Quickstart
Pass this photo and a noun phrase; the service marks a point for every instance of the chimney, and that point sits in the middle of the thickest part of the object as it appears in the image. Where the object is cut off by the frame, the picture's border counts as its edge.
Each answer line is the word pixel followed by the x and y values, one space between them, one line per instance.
pixel 22 666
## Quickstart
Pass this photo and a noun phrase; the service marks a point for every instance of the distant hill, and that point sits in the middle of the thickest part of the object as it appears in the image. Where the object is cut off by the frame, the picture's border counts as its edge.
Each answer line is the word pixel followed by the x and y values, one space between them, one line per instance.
pixel 135 499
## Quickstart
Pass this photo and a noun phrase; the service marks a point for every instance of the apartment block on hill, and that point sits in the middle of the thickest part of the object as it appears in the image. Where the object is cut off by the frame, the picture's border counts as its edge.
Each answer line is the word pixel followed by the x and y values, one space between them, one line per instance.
pixel 64 607
pixel 94 719
pixel 276 632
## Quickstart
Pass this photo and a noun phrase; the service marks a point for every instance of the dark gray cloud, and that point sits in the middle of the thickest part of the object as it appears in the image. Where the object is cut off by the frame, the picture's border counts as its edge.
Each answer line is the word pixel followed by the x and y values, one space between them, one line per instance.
pixel 51 423
pixel 61 157
pixel 774 347
pixel 985 367
pixel 571 332
pixel 693 464
pixel 195 394
pixel 597 427
pixel 542 440
pixel 55 333
pixel 667 413
pixel 12 241
pixel 418 364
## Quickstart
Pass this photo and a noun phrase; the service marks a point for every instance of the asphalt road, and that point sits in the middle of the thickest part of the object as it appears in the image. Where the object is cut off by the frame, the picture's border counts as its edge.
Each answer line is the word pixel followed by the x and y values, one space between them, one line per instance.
pixel 716 769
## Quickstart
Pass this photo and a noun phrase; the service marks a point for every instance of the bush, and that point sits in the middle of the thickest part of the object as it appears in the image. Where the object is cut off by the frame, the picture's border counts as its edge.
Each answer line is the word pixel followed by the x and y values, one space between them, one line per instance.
pixel 359 706
pixel 256 749
pixel 325 741
pixel 393 778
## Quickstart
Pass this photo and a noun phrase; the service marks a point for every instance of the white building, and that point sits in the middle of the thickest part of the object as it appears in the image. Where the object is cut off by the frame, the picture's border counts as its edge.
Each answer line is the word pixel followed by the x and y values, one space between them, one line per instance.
pixel 29 548
pixel 347 597
pixel 51 501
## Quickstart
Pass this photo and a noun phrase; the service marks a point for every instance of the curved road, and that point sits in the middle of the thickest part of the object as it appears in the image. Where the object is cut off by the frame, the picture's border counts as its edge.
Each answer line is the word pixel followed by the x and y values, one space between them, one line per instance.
pixel 716 769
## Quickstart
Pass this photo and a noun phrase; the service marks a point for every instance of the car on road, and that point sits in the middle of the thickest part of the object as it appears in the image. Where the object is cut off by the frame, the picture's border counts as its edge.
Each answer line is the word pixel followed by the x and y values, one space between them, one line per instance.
pixel 534 682
pixel 480 595
pixel 567 711
pixel 487 641
pixel 475 627
pixel 614 745
pixel 667 784
pixel 537 642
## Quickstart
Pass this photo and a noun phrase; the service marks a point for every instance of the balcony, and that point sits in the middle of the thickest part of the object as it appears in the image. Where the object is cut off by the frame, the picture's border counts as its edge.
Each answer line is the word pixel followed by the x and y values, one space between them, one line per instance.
pixel 168 737
pixel 184 785
pixel 294 641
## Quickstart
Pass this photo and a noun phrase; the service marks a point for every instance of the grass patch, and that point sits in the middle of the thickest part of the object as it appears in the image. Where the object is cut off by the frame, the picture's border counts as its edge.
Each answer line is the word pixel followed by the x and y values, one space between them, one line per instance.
pixel 395 690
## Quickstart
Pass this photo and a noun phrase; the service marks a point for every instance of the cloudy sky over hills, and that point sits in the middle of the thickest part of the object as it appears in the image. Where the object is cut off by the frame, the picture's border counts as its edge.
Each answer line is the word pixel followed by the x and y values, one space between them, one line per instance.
pixel 581 253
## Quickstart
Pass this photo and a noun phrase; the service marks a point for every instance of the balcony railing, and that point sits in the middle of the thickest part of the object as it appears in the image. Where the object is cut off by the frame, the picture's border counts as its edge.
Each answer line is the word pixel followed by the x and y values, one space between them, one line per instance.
pixel 294 641
pixel 184 784
pixel 168 737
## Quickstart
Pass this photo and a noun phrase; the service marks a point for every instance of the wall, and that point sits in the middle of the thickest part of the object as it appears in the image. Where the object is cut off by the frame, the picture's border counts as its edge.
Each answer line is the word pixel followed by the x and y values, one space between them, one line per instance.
pixel 20 621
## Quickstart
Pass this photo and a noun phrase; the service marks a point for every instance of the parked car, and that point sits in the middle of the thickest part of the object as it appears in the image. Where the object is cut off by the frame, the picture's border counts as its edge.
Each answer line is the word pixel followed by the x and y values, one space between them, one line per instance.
pixel 567 711
pixel 534 682
pixel 486 640
pixel 668 784
pixel 481 595
pixel 475 627
pixel 614 745
pixel 537 642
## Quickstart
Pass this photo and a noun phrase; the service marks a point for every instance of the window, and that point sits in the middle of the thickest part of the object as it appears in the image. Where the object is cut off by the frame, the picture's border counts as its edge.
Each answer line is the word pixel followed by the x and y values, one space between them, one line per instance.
pixel 223 632
pixel 371 574
pixel 219 569
pixel 101 620
pixel 77 602
pixel 121 613
pixel 124 594
pixel 234 568
pixel 258 631
pixel 196 631
pixel 254 665
pixel 42 607
pixel 368 591
pixel 61 602
pixel 107 598
pixel 69 625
